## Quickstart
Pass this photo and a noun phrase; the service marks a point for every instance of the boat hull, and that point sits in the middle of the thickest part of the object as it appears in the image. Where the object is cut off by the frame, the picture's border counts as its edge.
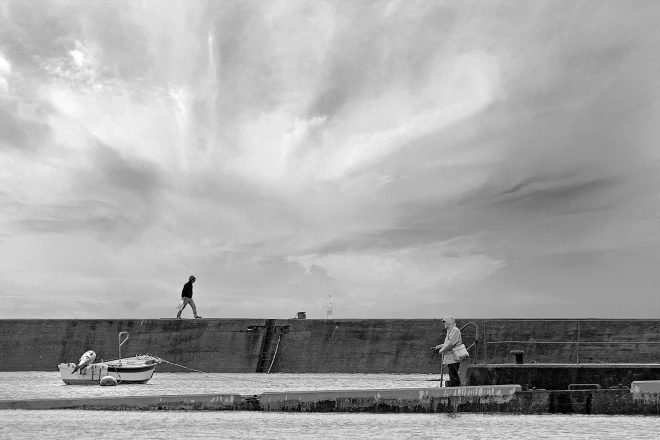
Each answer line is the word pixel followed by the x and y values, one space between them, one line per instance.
pixel 127 375
pixel 128 371
pixel 90 375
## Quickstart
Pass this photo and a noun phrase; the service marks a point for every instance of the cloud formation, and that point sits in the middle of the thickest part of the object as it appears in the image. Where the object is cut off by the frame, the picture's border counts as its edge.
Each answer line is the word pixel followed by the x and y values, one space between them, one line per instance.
pixel 414 159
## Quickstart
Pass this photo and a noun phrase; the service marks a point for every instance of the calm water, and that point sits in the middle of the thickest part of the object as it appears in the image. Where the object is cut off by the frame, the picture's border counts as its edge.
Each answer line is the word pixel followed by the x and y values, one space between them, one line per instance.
pixel 20 424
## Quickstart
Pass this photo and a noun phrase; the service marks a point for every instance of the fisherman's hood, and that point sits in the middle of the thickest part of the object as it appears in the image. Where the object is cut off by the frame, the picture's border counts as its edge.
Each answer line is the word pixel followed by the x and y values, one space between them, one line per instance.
pixel 451 322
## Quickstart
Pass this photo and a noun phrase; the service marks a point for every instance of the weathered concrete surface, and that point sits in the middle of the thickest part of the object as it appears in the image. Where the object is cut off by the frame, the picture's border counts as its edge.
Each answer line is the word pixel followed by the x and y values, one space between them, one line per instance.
pixel 560 376
pixel 479 399
pixel 646 394
pixel 173 402
pixel 494 399
pixel 645 387
pixel 357 346
pixel 228 345
pixel 207 345
pixel 323 346
pixel 613 402
pixel 570 340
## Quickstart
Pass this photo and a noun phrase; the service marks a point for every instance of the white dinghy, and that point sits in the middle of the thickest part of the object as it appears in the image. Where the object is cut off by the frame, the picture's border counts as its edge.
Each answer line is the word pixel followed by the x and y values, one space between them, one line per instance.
pixel 130 370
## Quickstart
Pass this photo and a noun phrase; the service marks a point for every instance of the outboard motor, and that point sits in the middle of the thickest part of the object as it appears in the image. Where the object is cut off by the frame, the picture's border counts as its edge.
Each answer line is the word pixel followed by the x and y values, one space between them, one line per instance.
pixel 86 359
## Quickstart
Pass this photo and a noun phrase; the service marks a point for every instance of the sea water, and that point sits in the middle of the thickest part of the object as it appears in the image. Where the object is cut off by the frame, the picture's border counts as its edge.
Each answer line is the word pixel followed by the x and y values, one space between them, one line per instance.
pixel 81 424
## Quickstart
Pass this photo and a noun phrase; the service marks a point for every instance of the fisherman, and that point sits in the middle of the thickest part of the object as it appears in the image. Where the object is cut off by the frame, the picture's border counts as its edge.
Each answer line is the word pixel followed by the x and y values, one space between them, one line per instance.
pixel 452 339
pixel 186 297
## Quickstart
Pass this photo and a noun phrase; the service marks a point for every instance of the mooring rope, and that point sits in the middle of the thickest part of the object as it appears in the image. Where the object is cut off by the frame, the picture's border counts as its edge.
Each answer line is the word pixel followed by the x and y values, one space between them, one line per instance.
pixel 279 338
pixel 182 366
pixel 245 379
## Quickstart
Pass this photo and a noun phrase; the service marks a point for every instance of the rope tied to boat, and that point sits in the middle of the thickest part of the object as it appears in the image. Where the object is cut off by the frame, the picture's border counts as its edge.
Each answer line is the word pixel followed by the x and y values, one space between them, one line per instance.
pixel 182 366
pixel 225 376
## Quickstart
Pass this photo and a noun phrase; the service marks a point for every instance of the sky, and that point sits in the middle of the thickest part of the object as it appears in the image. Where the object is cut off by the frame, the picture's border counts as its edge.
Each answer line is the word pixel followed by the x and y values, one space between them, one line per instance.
pixel 411 158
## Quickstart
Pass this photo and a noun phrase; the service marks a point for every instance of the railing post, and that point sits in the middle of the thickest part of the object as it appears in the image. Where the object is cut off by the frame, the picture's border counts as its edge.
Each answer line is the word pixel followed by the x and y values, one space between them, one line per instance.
pixel 476 351
pixel 485 344
pixel 577 346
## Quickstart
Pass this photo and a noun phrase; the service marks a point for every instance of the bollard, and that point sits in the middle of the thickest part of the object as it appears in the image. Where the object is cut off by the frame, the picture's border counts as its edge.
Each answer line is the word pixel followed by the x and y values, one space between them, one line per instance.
pixel 519 355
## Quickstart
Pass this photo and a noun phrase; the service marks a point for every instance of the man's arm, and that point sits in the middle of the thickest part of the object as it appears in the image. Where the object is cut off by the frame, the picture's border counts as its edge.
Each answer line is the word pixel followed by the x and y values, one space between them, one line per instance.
pixel 451 342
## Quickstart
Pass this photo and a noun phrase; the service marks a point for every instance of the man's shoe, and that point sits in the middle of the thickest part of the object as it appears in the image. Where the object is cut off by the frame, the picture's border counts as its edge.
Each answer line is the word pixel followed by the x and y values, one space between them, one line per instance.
pixel 197 316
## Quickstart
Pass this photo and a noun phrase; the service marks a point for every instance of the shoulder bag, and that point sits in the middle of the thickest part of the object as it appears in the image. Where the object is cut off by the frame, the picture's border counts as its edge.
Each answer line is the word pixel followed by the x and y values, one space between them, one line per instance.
pixel 460 352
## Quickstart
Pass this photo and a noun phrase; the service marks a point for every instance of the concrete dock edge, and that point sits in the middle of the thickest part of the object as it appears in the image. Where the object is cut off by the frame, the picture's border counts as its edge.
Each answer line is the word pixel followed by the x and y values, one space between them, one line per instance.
pixel 486 398
pixel 642 399
pixel 163 402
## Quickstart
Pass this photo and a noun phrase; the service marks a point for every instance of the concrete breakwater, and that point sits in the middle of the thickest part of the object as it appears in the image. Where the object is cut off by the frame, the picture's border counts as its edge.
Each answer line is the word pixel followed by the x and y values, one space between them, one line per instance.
pixel 562 376
pixel 641 399
pixel 324 346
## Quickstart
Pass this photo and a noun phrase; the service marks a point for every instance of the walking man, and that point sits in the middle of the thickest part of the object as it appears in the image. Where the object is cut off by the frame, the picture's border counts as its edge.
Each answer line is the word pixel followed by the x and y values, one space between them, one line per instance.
pixel 186 297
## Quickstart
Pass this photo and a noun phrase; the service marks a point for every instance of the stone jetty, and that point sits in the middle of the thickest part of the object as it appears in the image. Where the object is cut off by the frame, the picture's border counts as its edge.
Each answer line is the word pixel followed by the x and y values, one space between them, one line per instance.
pixel 643 398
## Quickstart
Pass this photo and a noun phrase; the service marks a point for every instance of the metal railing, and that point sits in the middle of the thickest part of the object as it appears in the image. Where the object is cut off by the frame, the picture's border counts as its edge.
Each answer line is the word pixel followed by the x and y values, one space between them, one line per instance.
pixel 476 334
pixel 577 342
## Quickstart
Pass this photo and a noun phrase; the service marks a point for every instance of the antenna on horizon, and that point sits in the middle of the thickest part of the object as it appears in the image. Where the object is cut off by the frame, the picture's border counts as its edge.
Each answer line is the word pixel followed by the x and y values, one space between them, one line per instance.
pixel 329 309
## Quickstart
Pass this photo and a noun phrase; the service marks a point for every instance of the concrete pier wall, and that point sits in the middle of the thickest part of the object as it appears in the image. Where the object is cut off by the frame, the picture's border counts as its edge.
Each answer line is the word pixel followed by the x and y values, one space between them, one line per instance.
pixel 207 345
pixel 325 346
pixel 562 376
pixel 642 399
pixel 414 400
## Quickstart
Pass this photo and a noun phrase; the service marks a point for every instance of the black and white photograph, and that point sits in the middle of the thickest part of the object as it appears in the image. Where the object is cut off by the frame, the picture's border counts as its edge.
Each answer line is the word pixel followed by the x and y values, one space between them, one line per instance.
pixel 330 219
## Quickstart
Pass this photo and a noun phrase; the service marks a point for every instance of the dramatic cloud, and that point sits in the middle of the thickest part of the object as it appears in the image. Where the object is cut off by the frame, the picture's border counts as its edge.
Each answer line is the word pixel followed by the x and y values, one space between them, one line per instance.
pixel 413 158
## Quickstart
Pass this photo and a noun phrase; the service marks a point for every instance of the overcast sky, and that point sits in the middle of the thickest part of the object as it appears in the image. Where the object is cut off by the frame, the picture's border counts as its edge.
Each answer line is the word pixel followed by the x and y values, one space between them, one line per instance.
pixel 412 158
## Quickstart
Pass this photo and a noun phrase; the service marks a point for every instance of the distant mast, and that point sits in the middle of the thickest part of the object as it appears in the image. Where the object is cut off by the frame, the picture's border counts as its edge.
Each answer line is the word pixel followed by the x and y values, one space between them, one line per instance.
pixel 329 310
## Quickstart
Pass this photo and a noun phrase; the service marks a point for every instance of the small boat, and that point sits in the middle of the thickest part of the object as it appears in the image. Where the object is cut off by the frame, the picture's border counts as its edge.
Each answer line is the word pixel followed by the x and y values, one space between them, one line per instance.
pixel 130 370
